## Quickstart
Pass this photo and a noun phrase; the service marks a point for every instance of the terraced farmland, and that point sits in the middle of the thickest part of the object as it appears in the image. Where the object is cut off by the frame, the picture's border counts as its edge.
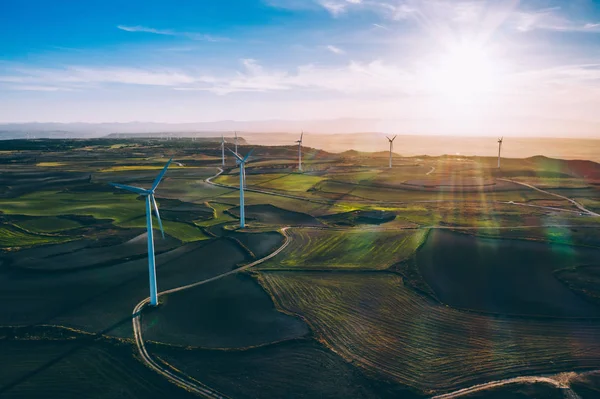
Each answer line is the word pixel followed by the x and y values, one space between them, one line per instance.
pixel 346 249
pixel 373 321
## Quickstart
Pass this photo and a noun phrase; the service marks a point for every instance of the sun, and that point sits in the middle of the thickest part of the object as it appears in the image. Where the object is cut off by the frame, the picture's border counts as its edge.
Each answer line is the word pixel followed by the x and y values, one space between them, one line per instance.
pixel 464 72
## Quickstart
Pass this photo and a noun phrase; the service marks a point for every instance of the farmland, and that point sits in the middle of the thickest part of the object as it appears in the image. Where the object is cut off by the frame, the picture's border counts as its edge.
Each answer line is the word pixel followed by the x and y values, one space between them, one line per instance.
pixel 428 277
pixel 381 325
pixel 346 249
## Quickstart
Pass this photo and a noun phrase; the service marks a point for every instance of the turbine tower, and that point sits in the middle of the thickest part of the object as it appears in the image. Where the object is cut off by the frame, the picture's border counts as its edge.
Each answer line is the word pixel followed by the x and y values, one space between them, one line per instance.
pixel 150 202
pixel 300 152
pixel 499 149
pixel 391 140
pixel 236 141
pixel 223 150
pixel 242 162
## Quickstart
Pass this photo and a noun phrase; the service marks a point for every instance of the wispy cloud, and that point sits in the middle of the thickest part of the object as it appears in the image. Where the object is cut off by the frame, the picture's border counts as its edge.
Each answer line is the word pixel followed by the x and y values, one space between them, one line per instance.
pixel 139 28
pixel 375 78
pixel 335 50
pixel 171 32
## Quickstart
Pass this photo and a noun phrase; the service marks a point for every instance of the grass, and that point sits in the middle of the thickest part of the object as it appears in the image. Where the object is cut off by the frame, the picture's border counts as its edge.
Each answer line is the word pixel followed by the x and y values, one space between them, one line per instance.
pixel 346 249
pixel 292 182
pixel 50 164
pixel 125 210
pixel 182 231
pixel 219 214
pixel 11 236
pixel 48 224
pixel 376 323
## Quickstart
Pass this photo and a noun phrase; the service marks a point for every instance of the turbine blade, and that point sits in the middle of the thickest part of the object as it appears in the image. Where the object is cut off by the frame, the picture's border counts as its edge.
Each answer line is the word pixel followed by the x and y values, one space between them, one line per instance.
pixel 301 135
pixel 247 155
pixel 388 138
pixel 136 190
pixel 161 174
pixel 158 216
pixel 236 155
pixel 394 137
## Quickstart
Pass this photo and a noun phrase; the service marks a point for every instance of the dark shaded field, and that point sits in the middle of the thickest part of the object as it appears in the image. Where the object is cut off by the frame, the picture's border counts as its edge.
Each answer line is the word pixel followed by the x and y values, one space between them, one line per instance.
pixel 293 369
pixel 232 312
pixel 70 257
pixel 270 214
pixel 71 369
pixel 503 276
pixel 587 385
pixel 102 298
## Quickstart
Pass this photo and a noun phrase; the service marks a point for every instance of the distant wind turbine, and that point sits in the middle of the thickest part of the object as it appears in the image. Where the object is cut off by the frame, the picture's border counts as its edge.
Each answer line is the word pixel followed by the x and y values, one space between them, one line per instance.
pixel 391 140
pixel 223 149
pixel 300 152
pixel 499 149
pixel 242 162
pixel 236 142
pixel 150 202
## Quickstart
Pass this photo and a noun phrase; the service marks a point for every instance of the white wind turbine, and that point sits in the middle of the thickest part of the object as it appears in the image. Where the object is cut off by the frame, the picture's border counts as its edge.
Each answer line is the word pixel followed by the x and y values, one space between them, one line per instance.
pixel 242 162
pixel 236 142
pixel 391 140
pixel 223 150
pixel 499 149
pixel 300 152
pixel 150 202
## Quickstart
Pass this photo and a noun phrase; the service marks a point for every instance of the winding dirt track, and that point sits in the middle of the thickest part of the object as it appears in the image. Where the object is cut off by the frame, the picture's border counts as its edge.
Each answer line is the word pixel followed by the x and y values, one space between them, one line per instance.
pixel 197 387
pixel 567 391
pixel 182 380
pixel 572 201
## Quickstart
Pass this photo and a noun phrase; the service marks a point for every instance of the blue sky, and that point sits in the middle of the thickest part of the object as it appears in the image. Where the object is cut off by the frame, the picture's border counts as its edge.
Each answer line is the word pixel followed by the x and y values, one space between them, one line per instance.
pixel 460 63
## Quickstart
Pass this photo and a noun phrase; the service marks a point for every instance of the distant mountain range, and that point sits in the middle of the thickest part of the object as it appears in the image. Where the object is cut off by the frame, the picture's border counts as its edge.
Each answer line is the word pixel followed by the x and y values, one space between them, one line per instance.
pixel 510 127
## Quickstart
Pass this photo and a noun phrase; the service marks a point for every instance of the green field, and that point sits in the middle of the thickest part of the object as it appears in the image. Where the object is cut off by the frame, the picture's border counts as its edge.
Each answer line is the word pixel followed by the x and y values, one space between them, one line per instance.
pixel 12 236
pixel 125 210
pixel 292 182
pixel 346 249
pixel 48 224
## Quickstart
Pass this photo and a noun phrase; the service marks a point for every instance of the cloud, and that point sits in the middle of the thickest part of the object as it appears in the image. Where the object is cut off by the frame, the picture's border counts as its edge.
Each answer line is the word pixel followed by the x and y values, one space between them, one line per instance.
pixel 335 50
pixel 379 26
pixel 170 32
pixel 145 29
pixel 374 79
pixel 38 88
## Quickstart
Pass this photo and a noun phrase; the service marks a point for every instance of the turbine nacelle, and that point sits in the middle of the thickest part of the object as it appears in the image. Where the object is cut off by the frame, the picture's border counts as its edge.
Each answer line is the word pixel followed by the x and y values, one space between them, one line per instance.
pixel 148 193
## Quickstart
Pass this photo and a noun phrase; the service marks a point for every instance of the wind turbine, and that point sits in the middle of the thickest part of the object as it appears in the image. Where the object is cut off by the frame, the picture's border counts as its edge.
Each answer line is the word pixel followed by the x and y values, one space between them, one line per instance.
pixel 499 149
pixel 223 149
pixel 236 141
pixel 300 152
pixel 242 162
pixel 391 140
pixel 150 202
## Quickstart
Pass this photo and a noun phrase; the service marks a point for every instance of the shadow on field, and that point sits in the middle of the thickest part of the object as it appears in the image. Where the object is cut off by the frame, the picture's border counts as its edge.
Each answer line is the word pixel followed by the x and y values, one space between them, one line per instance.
pixel 87 342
